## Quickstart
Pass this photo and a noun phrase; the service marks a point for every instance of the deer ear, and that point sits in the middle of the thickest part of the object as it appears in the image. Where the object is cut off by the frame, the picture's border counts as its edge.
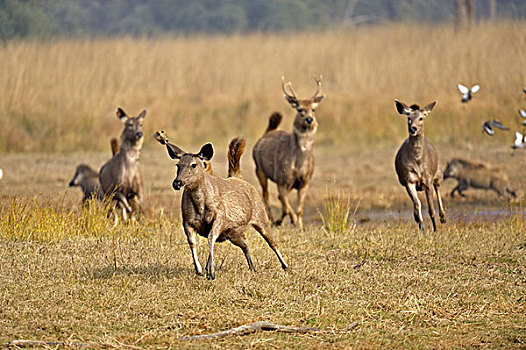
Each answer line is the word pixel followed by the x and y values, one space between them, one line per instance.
pixel 402 108
pixel 173 151
pixel 206 152
pixel 121 114
pixel 317 100
pixel 292 101
pixel 427 109
pixel 142 114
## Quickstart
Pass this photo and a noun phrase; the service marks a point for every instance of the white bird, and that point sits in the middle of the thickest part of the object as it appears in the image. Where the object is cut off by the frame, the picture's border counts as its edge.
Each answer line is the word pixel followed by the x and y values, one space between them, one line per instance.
pixel 467 93
pixel 520 139
pixel 488 127
pixel 1 174
pixel 522 112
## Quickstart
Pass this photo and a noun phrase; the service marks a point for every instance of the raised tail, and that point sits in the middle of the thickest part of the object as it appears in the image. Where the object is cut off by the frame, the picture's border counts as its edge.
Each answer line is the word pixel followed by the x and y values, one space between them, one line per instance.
pixel 114 142
pixel 235 150
pixel 274 121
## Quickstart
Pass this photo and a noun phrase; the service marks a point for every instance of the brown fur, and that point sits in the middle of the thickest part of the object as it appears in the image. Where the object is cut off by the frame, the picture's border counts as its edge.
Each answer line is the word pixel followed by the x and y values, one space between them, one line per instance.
pixel 114 146
pixel 218 209
pixel 274 121
pixel 88 180
pixel 287 158
pixel 416 163
pixel 477 175
pixel 121 176
pixel 235 150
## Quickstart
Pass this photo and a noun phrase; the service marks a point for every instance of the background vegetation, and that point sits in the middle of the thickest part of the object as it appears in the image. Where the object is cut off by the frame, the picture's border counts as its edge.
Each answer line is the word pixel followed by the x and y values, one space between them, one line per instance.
pixel 46 19
pixel 61 96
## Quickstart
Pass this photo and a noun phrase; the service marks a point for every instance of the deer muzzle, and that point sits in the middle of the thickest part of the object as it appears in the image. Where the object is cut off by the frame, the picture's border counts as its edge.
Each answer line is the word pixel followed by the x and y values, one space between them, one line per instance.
pixel 177 185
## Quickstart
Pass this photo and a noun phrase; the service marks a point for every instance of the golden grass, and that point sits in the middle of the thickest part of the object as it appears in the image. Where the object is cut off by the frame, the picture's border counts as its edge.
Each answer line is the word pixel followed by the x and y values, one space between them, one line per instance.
pixel 61 96
pixel 461 287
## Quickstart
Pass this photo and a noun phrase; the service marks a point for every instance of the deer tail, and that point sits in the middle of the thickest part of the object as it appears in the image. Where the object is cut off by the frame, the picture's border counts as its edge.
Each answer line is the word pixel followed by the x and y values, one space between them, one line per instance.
pixel 274 121
pixel 114 142
pixel 235 150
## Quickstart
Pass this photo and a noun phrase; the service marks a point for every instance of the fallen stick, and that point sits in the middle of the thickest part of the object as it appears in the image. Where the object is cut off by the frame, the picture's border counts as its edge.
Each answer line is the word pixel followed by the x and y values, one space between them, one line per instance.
pixel 264 326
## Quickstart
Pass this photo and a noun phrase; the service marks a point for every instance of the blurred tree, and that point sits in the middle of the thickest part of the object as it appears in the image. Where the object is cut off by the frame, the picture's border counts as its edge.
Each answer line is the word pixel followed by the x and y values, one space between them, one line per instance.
pixel 92 18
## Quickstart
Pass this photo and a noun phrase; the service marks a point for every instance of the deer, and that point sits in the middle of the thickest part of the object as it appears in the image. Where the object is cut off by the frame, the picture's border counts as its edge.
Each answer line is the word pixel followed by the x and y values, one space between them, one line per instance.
pixel 88 179
pixel 477 175
pixel 216 208
pixel 416 163
pixel 287 158
pixel 121 177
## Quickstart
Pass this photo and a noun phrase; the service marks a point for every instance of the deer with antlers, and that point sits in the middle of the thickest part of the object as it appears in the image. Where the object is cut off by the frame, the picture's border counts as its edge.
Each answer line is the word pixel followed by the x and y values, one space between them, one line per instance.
pixel 416 163
pixel 287 158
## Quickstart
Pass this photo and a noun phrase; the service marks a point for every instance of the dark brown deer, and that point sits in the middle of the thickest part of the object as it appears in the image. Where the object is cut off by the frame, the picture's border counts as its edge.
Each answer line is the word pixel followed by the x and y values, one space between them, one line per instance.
pixel 88 179
pixel 416 163
pixel 218 209
pixel 121 176
pixel 287 158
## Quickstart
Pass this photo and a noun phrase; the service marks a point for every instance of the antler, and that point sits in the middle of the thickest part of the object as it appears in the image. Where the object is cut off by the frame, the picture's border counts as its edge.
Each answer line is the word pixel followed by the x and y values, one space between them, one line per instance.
pixel 284 86
pixel 318 90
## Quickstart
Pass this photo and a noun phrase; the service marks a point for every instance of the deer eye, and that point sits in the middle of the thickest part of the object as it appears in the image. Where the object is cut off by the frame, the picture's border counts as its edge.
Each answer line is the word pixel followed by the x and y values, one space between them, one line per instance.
pixel 194 165
pixel 421 118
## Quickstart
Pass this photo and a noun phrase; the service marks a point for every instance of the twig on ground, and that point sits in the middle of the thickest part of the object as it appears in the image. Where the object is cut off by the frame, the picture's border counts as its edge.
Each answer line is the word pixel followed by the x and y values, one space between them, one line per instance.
pixel 264 326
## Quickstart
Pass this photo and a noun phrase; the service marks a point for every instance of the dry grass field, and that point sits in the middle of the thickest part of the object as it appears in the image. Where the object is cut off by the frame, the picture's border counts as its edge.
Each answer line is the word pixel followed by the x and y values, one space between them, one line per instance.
pixel 67 274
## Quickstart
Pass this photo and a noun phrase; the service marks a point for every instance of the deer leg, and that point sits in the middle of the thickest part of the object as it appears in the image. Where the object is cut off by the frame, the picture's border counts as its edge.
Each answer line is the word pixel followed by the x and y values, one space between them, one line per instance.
pixel 264 230
pixel 121 198
pixel 301 203
pixel 417 211
pixel 134 205
pixel 190 236
pixel 238 240
pixel 212 237
pixel 441 211
pixel 285 206
pixel 430 208
pixel 264 186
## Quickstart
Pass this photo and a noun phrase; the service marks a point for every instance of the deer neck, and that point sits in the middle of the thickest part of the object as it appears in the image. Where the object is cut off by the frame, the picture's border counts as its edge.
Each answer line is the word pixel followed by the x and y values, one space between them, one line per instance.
pixel 131 150
pixel 304 142
pixel 417 145
pixel 199 193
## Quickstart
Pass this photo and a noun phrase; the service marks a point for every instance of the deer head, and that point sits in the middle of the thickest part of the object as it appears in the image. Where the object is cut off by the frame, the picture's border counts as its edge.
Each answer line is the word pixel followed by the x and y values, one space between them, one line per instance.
pixel 132 133
pixel 305 121
pixel 191 166
pixel 415 116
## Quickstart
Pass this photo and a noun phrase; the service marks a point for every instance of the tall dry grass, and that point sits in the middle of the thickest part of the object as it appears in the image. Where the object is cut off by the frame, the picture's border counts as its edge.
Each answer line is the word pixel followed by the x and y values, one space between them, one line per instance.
pixel 61 96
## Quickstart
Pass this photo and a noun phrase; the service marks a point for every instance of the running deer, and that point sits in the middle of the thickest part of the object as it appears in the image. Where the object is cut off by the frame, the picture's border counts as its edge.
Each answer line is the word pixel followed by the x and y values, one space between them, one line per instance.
pixel 121 176
pixel 417 163
pixel 287 158
pixel 218 209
